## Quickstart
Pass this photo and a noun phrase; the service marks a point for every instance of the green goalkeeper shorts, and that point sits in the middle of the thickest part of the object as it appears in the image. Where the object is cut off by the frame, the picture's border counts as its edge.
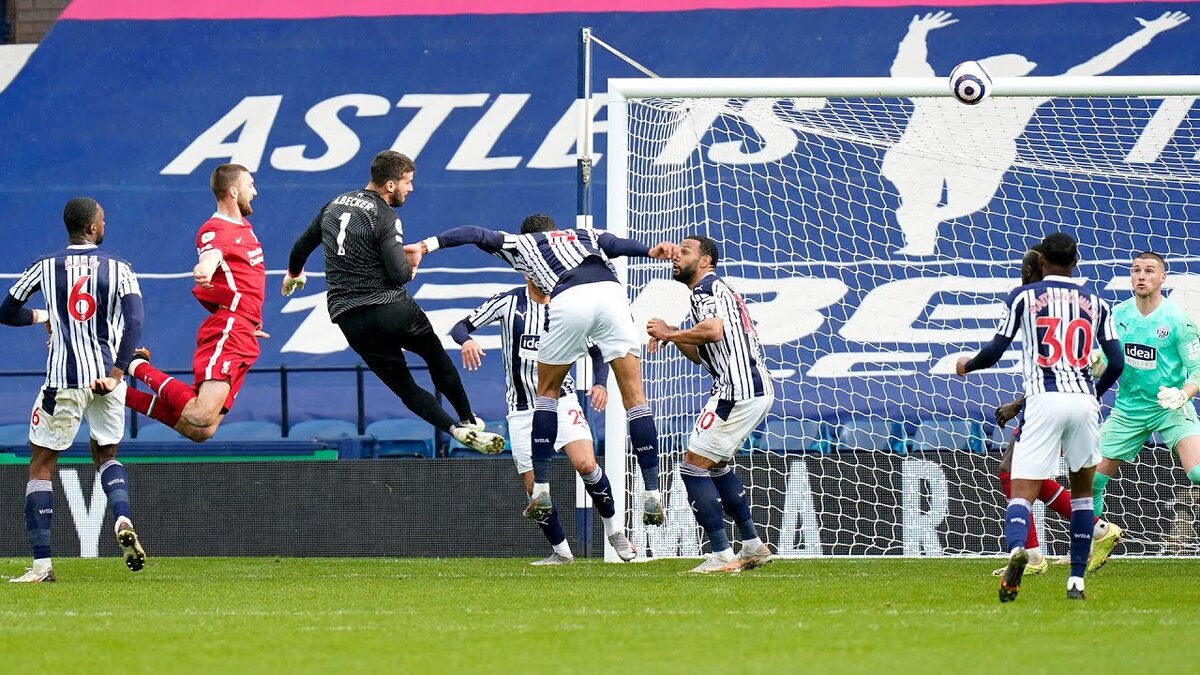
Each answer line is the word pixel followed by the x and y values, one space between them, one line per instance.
pixel 1122 436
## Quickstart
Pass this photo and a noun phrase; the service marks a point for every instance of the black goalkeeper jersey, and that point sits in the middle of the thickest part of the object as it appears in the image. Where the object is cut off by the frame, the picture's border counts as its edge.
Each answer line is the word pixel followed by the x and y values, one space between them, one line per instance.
pixel 364 251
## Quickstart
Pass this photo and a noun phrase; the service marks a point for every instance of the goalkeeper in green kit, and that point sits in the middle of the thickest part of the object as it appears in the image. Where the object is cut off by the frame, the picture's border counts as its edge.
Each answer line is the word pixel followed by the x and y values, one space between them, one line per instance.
pixel 1162 374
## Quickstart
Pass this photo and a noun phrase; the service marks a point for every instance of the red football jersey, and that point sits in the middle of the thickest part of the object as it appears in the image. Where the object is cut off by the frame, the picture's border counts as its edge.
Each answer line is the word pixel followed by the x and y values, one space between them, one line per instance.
pixel 240 282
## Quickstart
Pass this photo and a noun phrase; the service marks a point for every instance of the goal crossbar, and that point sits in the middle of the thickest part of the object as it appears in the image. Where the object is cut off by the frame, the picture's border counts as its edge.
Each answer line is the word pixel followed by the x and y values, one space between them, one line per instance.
pixel 620 89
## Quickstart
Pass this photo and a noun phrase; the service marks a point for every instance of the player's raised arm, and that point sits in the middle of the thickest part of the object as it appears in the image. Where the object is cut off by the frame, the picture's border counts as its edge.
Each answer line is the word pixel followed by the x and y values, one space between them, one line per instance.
pixel 305 244
pixel 614 247
pixel 491 241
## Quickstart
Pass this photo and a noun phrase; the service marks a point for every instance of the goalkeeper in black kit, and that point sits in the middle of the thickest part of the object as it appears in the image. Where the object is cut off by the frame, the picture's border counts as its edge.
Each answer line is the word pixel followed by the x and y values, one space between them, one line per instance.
pixel 366 270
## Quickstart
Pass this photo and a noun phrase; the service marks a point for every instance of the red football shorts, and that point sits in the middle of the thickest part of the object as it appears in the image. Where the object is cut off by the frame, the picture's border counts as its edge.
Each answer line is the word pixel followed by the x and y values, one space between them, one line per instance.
pixel 226 348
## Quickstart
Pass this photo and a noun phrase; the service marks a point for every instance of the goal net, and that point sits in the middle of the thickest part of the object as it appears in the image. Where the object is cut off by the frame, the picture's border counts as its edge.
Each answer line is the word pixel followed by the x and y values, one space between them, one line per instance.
pixel 874 227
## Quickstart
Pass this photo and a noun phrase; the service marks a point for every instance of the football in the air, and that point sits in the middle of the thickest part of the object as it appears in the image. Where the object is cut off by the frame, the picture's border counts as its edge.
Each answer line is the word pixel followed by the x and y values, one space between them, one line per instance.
pixel 970 83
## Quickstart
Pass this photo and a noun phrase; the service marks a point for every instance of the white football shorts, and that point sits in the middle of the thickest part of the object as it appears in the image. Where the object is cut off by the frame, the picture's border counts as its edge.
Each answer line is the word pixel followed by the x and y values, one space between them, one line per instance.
pixel 572 426
pixel 1057 422
pixel 599 311
pixel 723 425
pixel 57 414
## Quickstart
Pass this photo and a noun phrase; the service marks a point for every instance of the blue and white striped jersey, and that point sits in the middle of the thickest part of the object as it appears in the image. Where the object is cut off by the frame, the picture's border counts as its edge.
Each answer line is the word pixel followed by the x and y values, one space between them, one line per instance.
pixel 1061 324
pixel 735 362
pixel 550 258
pixel 83 287
pixel 556 260
pixel 522 322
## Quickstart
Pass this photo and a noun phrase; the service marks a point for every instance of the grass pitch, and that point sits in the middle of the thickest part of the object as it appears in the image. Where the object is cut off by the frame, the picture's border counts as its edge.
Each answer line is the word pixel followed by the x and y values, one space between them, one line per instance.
pixel 265 615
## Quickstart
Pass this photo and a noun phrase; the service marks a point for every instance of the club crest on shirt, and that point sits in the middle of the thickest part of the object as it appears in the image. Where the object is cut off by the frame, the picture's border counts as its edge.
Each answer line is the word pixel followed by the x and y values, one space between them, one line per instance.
pixel 1163 332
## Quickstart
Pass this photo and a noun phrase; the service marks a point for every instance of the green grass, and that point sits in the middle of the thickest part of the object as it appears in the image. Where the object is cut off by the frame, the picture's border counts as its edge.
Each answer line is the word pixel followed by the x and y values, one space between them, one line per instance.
pixel 217 615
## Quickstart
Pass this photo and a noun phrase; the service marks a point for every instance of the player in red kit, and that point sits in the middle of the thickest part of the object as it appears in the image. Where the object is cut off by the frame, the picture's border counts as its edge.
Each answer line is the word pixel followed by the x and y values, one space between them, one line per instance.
pixel 230 282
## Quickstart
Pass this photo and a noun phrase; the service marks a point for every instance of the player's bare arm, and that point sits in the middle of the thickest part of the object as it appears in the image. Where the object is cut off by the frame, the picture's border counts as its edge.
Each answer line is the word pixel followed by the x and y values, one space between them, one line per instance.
pixel 13 313
pixel 598 396
pixel 202 273
pixel 472 355
pixel 1008 411
pixel 709 330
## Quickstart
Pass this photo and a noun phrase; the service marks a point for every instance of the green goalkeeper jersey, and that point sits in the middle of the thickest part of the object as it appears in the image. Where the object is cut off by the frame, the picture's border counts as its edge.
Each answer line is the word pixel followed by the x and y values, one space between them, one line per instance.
pixel 1162 349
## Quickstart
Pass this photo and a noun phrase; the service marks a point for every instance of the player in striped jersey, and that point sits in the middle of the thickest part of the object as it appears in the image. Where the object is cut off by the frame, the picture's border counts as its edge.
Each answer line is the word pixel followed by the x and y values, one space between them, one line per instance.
pixel 1052 493
pixel 230 281
pixel 94 315
pixel 522 313
pixel 1060 322
pixel 586 302
pixel 721 338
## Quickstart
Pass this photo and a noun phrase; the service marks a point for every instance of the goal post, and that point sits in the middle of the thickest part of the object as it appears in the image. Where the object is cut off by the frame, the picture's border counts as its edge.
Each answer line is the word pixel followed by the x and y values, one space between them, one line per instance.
pixel 874 226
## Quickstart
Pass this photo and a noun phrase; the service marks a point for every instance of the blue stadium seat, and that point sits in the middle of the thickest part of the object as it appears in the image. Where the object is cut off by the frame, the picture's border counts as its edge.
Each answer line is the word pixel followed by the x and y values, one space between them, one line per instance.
pixel 149 430
pixel 402 438
pixel 14 435
pixel 322 429
pixel 945 433
pixel 756 441
pixel 793 435
pixel 872 434
pixel 248 431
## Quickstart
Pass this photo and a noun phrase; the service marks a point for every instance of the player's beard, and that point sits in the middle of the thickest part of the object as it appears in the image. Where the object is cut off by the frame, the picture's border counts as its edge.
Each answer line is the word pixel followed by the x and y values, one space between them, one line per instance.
pixel 685 274
pixel 245 208
pixel 396 199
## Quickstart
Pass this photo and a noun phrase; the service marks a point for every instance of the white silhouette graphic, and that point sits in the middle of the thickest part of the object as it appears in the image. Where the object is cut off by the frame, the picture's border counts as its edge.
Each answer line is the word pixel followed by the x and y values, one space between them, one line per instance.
pixel 928 155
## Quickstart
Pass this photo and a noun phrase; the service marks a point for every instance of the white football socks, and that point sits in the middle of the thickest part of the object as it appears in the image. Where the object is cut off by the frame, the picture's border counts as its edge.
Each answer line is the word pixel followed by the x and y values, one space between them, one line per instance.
pixel 611 526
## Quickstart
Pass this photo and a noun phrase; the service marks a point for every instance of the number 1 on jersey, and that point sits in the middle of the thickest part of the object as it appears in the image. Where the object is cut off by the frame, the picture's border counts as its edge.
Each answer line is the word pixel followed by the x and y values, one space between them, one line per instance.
pixel 343 222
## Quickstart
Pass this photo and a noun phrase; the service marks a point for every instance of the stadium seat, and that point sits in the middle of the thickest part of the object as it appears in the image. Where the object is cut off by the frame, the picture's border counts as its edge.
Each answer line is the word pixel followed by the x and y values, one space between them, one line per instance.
pixel 402 438
pixel 756 441
pixel 872 434
pixel 149 430
pixel 793 435
pixel 14 435
pixel 944 433
pixel 248 431
pixel 322 429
